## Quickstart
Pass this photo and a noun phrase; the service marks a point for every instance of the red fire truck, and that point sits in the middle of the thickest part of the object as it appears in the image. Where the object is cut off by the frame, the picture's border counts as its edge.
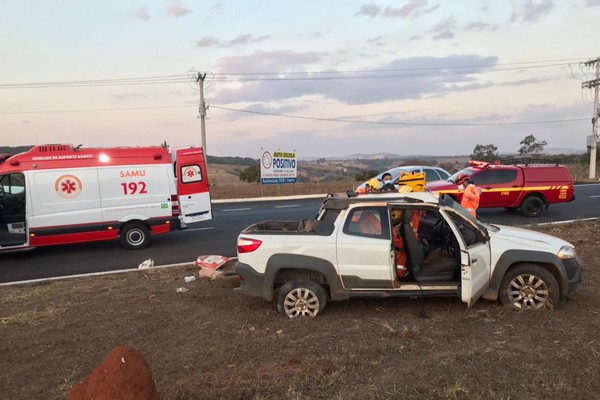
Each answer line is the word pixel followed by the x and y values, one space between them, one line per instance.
pixel 58 194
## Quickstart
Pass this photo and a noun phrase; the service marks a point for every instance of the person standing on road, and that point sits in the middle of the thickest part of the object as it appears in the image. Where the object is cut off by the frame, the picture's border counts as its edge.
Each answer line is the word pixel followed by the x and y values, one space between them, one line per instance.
pixel 470 198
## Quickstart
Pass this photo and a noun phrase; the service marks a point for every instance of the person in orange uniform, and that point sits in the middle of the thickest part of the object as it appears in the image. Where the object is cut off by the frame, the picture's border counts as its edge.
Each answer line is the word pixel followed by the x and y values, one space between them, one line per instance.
pixel 398 244
pixel 470 198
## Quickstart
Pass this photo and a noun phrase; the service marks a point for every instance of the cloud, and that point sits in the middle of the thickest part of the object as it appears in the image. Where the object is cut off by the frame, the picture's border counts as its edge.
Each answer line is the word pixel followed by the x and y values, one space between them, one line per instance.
pixel 592 3
pixel 480 26
pixel 531 10
pixel 444 29
pixel 141 14
pixel 444 35
pixel 369 10
pixel 270 61
pixel 244 39
pixel 523 82
pixel 247 39
pixel 412 9
pixel 176 9
pixel 409 78
pixel 208 41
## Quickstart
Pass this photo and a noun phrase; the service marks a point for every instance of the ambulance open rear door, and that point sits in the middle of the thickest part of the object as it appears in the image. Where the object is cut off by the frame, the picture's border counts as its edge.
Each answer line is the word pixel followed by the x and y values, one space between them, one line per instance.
pixel 192 185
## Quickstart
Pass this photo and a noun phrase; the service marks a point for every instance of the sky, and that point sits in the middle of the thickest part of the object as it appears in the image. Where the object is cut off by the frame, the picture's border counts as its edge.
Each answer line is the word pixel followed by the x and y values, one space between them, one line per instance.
pixel 327 78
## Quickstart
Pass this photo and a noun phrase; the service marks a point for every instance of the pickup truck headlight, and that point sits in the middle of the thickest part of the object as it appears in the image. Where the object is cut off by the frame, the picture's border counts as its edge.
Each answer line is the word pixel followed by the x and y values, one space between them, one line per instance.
pixel 567 252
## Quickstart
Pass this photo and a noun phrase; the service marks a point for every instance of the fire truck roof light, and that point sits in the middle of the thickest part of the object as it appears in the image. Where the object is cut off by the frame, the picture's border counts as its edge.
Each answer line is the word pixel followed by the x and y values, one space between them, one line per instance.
pixel 479 164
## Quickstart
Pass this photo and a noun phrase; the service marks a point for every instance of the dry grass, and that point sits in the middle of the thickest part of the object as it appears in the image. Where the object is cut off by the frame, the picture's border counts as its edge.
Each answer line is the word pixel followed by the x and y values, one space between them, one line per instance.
pixel 212 343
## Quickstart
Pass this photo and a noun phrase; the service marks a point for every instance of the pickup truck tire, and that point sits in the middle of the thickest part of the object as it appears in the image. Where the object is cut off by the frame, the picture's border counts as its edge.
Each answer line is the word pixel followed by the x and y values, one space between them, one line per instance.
pixel 529 287
pixel 301 298
pixel 532 206
pixel 135 236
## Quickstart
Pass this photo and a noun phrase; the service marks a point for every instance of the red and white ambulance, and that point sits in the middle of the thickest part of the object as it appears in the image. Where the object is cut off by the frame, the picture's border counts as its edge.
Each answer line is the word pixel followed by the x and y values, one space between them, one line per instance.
pixel 58 194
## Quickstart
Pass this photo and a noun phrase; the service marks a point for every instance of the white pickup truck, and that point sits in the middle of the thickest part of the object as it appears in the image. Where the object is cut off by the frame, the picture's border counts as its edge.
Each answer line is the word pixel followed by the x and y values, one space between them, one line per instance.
pixel 303 264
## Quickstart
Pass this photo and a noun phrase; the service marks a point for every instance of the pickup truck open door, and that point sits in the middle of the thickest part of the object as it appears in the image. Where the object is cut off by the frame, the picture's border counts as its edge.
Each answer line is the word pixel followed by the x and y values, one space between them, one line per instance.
pixel 475 272
pixel 475 259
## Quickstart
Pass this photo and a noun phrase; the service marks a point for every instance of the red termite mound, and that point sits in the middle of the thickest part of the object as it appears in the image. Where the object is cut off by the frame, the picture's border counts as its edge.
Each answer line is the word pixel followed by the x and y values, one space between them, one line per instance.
pixel 123 374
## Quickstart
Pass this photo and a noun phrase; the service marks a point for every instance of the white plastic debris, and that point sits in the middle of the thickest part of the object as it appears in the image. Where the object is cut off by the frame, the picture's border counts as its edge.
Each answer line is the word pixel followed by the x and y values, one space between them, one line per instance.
pixel 181 290
pixel 149 263
pixel 189 279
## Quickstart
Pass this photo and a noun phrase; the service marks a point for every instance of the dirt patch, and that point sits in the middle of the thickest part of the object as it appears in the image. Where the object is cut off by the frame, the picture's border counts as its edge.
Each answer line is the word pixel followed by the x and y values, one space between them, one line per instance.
pixel 211 343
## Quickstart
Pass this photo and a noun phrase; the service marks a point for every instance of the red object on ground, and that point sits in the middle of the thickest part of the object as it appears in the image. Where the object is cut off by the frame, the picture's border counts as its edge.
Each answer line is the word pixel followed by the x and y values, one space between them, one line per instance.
pixel 123 374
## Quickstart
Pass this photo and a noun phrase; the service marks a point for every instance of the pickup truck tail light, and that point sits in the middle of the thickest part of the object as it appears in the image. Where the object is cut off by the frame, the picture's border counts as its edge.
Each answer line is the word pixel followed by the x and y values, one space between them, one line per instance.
pixel 246 245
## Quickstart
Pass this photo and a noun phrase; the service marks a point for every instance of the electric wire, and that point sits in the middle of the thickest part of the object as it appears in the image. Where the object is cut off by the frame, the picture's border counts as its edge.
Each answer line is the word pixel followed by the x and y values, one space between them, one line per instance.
pixel 309 76
pixel 404 123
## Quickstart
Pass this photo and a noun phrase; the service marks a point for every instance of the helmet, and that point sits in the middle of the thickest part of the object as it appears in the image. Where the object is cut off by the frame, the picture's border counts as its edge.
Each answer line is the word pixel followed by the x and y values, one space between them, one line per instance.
pixel 397 214
pixel 373 184
pixel 461 179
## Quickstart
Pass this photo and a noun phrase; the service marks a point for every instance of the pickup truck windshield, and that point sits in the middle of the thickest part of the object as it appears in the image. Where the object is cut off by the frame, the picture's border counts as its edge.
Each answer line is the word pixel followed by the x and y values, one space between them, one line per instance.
pixel 447 201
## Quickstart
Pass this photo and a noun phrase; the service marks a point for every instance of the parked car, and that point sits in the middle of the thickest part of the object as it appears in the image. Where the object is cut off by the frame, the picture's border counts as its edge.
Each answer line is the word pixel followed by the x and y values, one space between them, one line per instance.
pixel 431 173
pixel 303 264
pixel 529 188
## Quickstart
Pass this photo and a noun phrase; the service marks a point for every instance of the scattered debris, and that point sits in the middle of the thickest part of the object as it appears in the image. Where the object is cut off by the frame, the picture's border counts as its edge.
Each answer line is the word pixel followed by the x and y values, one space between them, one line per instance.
pixel 189 279
pixel 149 263
pixel 219 269
pixel 182 290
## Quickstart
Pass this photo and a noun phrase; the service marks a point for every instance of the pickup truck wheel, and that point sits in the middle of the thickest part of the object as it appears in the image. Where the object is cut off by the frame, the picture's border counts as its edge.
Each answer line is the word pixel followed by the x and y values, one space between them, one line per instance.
pixel 532 206
pixel 301 298
pixel 135 236
pixel 529 287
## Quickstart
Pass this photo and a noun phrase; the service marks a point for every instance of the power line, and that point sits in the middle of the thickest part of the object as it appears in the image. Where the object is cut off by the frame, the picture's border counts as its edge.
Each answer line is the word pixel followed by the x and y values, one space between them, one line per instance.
pixel 405 123
pixel 88 110
pixel 248 76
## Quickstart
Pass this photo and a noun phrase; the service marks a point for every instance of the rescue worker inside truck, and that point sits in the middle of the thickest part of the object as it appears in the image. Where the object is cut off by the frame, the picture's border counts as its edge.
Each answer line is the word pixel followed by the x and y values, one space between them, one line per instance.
pixel 425 247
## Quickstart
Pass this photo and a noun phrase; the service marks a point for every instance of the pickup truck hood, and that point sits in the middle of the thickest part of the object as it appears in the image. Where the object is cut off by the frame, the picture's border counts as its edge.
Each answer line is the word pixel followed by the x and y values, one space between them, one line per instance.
pixel 509 237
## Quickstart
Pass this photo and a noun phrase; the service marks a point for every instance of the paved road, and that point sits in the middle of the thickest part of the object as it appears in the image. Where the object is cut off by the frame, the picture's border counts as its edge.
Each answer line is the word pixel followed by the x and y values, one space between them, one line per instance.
pixel 219 235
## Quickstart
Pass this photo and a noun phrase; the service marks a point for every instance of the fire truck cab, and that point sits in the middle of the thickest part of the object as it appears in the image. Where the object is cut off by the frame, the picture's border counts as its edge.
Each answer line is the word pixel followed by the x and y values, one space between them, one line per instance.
pixel 59 194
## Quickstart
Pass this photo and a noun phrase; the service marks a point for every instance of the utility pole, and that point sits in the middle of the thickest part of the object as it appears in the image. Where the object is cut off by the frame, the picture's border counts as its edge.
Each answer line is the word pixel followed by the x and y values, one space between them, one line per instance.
pixel 202 109
pixel 594 83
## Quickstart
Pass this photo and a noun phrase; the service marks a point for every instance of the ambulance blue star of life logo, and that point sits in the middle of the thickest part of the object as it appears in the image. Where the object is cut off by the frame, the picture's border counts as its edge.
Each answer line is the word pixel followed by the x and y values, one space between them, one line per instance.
pixel 68 186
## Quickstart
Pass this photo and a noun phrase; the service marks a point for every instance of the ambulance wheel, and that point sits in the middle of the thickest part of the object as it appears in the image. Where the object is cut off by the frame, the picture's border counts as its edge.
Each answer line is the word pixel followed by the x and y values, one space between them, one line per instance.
pixel 135 236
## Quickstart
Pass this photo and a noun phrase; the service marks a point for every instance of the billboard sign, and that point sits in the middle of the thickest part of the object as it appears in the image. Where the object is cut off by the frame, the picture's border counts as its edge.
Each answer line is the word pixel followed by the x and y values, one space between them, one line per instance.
pixel 278 167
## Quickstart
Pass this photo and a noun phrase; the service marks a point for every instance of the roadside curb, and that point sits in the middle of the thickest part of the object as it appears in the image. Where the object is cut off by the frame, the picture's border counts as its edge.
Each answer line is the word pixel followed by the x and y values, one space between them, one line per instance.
pixel 119 271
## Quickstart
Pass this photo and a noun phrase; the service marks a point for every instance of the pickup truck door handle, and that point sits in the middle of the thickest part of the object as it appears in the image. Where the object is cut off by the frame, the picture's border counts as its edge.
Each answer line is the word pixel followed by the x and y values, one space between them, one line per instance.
pixel 474 260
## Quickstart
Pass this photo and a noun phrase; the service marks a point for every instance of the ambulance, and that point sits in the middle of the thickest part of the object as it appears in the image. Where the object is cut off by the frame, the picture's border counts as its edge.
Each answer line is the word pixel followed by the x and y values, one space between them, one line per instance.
pixel 58 194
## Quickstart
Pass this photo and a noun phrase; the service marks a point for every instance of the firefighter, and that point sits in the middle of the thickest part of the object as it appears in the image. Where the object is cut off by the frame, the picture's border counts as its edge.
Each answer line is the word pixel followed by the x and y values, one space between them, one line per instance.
pixel 470 198
pixel 400 253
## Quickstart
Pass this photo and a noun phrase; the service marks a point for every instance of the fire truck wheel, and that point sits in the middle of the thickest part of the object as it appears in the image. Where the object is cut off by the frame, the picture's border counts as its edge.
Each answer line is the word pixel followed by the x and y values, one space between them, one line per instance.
pixel 532 206
pixel 135 236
